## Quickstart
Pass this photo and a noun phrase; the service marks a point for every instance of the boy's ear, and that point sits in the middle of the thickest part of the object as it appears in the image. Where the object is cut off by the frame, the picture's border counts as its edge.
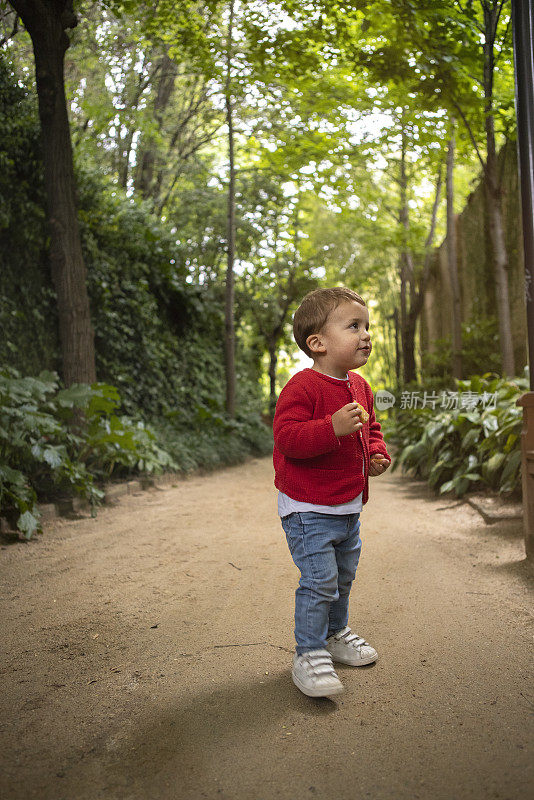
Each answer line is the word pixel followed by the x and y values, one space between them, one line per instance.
pixel 315 343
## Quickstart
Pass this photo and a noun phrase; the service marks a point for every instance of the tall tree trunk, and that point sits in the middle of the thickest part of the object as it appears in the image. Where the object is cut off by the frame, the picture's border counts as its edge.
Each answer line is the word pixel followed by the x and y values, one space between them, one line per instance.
pixel 493 192
pixel 46 23
pixel 406 275
pixel 273 365
pixel 452 260
pixel 500 256
pixel 408 353
pixel 418 291
pixel 396 323
pixel 229 340
pixel 148 156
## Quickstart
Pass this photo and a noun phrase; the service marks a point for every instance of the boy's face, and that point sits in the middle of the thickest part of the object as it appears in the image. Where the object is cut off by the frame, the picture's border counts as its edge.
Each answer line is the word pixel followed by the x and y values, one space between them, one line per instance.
pixel 344 342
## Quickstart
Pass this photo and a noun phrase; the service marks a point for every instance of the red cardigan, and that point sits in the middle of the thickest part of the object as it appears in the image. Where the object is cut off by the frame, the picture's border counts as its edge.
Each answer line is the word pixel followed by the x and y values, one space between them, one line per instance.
pixel 311 463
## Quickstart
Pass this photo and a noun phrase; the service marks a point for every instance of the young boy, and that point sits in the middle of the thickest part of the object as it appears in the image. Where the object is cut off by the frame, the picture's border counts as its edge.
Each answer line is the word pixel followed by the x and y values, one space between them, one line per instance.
pixel 324 452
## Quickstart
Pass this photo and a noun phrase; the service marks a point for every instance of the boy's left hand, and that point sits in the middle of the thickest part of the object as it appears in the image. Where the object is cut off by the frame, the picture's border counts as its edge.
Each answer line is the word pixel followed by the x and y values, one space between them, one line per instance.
pixel 378 465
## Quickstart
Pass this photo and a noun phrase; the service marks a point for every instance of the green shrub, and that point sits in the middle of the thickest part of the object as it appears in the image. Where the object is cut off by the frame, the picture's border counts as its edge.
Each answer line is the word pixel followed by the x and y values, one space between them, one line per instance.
pixel 458 449
pixel 56 440
pixel 211 440
pixel 480 345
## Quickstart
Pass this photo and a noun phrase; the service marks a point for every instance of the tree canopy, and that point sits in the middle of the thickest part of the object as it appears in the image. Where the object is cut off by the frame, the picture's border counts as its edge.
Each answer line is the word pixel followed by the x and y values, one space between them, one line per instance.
pixel 342 116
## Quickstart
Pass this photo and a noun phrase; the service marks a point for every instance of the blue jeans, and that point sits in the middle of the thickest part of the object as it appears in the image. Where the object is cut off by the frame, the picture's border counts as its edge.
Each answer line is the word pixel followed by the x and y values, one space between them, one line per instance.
pixel 326 549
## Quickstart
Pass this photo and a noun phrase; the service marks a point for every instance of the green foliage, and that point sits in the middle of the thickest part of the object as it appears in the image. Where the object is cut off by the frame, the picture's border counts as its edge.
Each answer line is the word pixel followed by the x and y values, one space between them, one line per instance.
pixel 212 440
pixel 28 315
pixel 480 345
pixel 157 336
pixel 55 441
pixel 158 331
pixel 459 449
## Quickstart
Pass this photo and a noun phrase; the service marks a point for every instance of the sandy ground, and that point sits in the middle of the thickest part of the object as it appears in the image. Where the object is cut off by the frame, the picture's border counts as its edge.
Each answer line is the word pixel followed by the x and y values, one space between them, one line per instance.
pixel 147 654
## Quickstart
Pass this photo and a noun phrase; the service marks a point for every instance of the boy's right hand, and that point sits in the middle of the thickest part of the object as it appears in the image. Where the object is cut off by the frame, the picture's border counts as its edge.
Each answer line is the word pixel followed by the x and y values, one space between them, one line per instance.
pixel 347 420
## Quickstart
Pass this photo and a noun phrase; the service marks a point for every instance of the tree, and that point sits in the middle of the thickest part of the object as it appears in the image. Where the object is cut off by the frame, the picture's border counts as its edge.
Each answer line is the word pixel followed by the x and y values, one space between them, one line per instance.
pixel 452 260
pixel 229 338
pixel 457 46
pixel 412 285
pixel 47 24
pixel 276 277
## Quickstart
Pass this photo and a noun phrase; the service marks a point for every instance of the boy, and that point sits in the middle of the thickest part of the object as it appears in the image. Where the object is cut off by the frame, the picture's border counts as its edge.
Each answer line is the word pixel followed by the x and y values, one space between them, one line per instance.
pixel 323 454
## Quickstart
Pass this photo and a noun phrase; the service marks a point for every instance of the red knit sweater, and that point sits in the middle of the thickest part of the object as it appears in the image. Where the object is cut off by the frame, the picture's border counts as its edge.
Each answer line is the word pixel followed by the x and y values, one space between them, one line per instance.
pixel 311 463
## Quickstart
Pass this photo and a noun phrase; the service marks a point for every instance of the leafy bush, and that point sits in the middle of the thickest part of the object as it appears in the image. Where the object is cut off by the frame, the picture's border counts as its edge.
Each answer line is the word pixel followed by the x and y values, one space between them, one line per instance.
pixel 28 313
pixel 457 449
pixel 54 440
pixel 210 439
pixel 480 345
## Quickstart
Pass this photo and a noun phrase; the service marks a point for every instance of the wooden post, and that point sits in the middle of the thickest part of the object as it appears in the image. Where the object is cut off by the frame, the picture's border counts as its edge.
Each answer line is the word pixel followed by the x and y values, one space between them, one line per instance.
pixel 523 30
pixel 527 470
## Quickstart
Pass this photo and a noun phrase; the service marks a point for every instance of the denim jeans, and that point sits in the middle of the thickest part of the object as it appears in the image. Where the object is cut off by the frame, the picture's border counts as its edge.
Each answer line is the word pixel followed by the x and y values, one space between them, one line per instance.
pixel 326 549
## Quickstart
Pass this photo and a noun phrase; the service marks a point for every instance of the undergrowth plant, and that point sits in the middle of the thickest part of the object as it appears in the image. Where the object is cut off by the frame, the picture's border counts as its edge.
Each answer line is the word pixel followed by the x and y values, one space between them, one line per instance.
pixel 468 447
pixel 55 441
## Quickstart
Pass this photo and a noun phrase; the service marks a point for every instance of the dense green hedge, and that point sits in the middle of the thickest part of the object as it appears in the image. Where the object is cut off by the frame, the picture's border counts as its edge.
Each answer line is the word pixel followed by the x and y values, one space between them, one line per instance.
pixel 28 316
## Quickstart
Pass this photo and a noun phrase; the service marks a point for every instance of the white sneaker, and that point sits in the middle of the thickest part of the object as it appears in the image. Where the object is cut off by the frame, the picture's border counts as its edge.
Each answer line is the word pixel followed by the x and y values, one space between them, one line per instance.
pixel 349 648
pixel 313 673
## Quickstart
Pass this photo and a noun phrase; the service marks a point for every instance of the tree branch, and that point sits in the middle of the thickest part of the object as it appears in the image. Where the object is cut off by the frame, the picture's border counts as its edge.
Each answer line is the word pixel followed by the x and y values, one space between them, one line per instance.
pixel 498 15
pixel 418 298
pixel 464 12
pixel 470 132
pixel 501 44
pixel 13 33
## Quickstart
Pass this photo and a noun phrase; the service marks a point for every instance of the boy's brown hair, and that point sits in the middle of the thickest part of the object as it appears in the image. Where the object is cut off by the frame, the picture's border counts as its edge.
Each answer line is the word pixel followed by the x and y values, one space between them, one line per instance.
pixel 312 314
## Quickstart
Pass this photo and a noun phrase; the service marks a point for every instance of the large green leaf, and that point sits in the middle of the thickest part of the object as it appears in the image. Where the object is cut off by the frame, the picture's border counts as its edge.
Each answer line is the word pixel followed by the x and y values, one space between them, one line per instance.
pixel 513 463
pixel 28 523
pixel 491 467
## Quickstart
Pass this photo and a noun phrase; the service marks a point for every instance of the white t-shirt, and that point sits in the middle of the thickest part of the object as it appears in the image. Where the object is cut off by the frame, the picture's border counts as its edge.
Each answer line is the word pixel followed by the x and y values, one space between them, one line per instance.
pixel 286 504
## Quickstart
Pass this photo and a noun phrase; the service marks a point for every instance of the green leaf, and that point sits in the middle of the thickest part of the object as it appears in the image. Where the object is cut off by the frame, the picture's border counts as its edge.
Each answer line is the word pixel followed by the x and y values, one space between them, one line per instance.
pixel 28 523
pixel 13 476
pixel 470 438
pixel 472 461
pixel 510 442
pixel 76 395
pixel 461 485
pixel 491 467
pixel 52 456
pixel 512 466
pixel 490 424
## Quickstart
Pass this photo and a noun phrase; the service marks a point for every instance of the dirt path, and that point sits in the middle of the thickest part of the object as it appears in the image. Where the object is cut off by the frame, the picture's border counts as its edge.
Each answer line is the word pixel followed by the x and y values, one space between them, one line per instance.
pixel 147 654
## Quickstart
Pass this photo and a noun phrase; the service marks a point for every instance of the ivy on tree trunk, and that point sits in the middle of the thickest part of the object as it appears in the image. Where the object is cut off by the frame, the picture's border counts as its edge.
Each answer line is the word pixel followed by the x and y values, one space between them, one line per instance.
pixel 46 23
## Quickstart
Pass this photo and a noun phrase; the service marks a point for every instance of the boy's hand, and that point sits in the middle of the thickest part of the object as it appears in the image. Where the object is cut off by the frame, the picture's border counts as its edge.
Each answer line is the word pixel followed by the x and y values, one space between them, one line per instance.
pixel 378 464
pixel 347 420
